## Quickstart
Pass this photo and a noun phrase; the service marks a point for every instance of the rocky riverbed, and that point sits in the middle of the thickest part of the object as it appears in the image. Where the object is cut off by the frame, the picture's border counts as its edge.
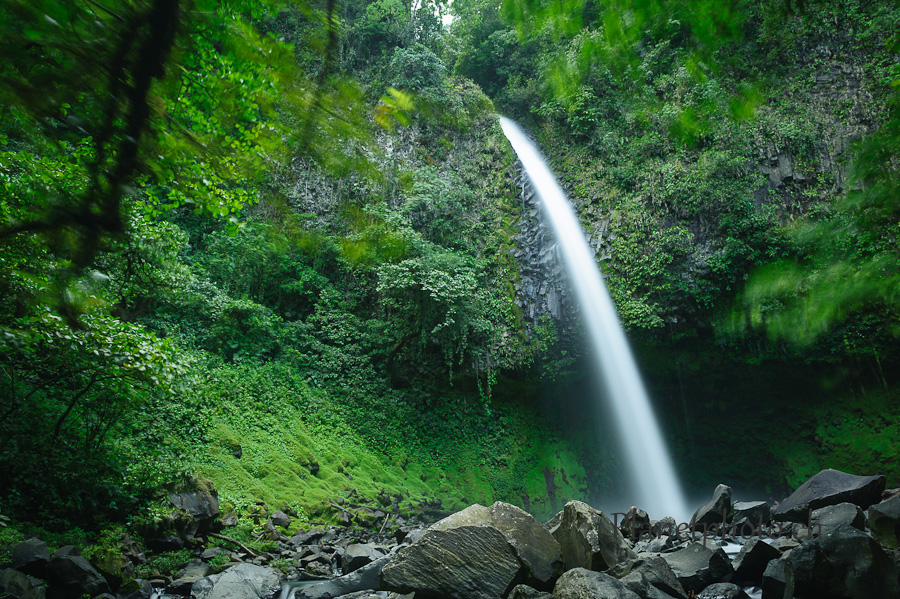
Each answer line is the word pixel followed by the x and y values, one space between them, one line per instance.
pixel 837 536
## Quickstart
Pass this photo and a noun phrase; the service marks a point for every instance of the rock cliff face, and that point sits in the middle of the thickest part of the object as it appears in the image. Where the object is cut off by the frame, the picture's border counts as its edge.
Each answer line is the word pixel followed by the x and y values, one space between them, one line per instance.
pixel 542 288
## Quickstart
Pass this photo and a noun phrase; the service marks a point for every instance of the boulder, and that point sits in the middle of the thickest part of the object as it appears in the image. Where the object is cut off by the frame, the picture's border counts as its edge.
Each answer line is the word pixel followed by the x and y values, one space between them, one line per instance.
pixel 830 487
pixel 844 563
pixel 751 561
pixel 553 522
pixel 723 590
pixel 754 513
pixel 478 552
pixel 20 586
pixel 136 589
pixel 185 579
pixel 536 548
pixel 717 509
pixel 697 566
pixel 637 583
pixel 279 518
pixel 634 521
pixel 580 583
pixel 243 581
pixel 30 556
pixel 523 591
pixel 358 555
pixel 828 518
pixel 72 575
pixel 203 505
pixel 588 539
pixel 883 520
pixel 132 550
pixel 464 562
pixel 306 537
pixel 654 570
pixel 778 580
pixel 367 577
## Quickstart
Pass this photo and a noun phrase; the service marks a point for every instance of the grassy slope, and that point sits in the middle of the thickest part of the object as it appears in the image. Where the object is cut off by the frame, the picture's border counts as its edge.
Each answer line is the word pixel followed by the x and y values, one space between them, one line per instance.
pixel 450 447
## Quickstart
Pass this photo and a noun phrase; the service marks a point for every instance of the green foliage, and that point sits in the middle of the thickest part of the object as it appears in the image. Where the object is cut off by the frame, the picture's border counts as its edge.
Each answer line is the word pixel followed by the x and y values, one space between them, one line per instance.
pixel 164 564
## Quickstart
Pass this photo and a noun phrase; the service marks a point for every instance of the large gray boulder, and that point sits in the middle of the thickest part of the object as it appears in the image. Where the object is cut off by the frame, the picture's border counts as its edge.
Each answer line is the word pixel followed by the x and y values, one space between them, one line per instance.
pixel 588 539
pixel 20 586
pixel 778 580
pixel 653 570
pixel 469 562
pixel 203 505
pixel 72 575
pixel 243 581
pixel 752 560
pixel 698 566
pixel 580 583
pixel 883 520
pixel 357 555
pixel 830 487
pixel 753 514
pixel 477 553
pixel 826 519
pixel 844 563
pixel 535 547
pixel 30 556
pixel 717 509
pixel 365 578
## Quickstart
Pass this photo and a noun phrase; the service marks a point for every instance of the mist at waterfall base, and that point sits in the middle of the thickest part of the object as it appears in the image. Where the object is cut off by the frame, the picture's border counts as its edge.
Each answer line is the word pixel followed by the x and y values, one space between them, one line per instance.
pixel 650 474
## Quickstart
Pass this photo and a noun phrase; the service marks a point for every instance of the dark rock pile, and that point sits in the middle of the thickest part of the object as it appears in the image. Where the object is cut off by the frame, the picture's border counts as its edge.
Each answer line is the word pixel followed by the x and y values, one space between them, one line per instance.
pixel 836 537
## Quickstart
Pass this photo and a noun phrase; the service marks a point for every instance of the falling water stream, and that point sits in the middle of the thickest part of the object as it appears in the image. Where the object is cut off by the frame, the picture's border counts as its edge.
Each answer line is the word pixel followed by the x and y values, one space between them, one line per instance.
pixel 649 466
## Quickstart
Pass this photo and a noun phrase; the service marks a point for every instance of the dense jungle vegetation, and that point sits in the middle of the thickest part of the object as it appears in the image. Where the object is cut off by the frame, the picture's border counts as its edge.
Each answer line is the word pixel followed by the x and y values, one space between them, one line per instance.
pixel 278 246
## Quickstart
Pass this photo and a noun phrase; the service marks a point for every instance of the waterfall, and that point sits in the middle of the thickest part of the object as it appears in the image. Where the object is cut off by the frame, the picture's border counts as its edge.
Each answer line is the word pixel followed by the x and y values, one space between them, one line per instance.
pixel 649 465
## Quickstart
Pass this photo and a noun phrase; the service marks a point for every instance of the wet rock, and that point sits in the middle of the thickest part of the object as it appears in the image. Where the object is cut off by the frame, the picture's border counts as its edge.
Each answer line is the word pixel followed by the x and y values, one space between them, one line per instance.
pixel 723 590
pixel 357 555
pixel 367 577
pixel 464 562
pixel 778 580
pixel 588 539
pixel 884 522
pixel 30 556
pixel 477 552
pixel 717 509
pixel 655 571
pixel 828 518
pixel 523 591
pixel 580 583
pixel 244 581
pixel 830 487
pixel 72 575
pixel 752 560
pixel 638 584
pixel 697 566
pixel 19 585
pixel 752 513
pixel 844 562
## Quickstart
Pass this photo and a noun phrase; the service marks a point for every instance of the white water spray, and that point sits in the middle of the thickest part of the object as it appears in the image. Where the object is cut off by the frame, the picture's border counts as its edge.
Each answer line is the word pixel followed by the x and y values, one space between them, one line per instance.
pixel 649 466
